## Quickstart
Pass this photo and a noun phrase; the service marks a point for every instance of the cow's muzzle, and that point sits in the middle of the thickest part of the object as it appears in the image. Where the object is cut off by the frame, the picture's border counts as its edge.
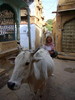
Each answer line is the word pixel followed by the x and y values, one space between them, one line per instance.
pixel 10 85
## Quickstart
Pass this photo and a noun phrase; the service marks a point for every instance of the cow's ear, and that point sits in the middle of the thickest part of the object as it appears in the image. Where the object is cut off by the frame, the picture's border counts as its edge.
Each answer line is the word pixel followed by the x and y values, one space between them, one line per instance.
pixel 12 60
pixel 36 59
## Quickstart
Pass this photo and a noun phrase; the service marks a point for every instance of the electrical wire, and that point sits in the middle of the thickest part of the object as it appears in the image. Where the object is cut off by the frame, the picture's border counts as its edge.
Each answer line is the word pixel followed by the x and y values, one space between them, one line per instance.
pixel 50 6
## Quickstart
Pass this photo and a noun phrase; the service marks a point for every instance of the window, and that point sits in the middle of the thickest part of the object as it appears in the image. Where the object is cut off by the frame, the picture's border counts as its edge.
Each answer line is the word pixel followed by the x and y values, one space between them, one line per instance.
pixel 7 23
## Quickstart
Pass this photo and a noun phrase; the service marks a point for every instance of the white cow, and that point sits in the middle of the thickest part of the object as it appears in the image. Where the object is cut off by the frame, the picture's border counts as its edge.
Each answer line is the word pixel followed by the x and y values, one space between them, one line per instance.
pixel 33 68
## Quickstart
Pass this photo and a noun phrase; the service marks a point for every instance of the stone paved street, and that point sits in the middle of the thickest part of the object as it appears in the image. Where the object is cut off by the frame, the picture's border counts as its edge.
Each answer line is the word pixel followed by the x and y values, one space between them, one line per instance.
pixel 61 86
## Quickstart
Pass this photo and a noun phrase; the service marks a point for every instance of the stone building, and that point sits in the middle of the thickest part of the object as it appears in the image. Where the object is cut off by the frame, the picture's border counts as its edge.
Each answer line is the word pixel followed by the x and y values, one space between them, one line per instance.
pixel 10 25
pixel 64 28
pixel 36 25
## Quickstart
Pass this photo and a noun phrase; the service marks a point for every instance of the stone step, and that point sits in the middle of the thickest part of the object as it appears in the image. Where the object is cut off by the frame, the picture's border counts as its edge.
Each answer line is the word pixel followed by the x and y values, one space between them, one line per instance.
pixel 66 57
pixel 2 71
pixel 9 52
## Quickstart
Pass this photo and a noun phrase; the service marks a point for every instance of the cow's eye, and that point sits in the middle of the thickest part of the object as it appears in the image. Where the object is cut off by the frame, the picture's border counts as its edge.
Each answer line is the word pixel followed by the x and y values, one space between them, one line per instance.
pixel 27 63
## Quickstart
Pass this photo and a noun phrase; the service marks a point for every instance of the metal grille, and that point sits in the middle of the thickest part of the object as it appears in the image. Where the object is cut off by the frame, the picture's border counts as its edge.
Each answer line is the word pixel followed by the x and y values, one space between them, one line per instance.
pixel 7 23
pixel 68 37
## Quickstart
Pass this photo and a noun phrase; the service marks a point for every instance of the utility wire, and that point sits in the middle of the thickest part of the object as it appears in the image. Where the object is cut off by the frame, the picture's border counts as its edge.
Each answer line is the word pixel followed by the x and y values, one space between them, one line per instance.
pixel 49 9
pixel 53 4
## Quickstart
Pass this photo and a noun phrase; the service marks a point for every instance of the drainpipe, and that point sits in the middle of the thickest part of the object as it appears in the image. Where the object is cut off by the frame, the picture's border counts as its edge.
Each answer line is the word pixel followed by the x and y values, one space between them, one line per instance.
pixel 29 34
pixel 17 31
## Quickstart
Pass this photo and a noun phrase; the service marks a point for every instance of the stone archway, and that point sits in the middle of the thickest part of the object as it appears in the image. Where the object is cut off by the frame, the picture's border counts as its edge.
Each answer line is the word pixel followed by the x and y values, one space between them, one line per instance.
pixel 68 37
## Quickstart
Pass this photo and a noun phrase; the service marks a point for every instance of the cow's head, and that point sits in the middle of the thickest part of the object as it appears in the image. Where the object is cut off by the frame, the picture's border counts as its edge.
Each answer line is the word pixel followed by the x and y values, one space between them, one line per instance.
pixel 21 70
pixel 23 67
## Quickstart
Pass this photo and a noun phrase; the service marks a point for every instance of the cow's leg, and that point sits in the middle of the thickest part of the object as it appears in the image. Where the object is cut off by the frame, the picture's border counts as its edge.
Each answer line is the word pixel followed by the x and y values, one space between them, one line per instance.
pixel 41 89
pixel 37 96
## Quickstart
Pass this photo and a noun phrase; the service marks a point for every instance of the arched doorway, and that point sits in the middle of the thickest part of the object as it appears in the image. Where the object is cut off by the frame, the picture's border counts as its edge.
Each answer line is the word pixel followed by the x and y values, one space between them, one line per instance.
pixel 68 37
pixel 7 23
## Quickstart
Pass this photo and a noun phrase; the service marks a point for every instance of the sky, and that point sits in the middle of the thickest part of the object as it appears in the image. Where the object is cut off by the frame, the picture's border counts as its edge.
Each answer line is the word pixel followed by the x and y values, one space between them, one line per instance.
pixel 48 7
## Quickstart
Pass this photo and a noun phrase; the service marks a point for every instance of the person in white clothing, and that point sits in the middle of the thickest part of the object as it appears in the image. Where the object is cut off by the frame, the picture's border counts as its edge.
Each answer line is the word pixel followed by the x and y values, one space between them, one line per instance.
pixel 49 45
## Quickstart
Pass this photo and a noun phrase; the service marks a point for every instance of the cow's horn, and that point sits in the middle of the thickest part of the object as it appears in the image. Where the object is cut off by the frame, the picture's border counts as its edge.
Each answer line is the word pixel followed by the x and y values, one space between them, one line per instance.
pixel 34 51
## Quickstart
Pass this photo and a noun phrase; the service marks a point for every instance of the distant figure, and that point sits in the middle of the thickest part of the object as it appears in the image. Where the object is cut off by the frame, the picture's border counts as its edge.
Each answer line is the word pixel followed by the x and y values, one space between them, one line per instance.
pixel 49 45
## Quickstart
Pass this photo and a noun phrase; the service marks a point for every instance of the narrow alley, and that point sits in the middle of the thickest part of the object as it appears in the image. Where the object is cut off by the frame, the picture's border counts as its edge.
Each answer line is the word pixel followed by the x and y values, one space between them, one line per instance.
pixel 61 86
